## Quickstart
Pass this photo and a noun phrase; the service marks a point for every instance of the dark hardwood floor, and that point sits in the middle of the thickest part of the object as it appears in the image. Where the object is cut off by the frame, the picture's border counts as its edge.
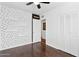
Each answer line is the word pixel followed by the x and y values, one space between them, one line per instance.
pixel 34 50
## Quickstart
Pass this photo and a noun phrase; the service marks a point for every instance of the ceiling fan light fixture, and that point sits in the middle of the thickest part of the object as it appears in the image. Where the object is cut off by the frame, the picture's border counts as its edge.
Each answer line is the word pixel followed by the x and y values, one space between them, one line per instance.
pixel 36 3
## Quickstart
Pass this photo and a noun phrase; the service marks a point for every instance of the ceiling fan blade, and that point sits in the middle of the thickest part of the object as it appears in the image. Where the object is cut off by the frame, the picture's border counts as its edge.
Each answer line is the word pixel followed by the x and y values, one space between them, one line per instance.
pixel 45 2
pixel 29 3
pixel 38 6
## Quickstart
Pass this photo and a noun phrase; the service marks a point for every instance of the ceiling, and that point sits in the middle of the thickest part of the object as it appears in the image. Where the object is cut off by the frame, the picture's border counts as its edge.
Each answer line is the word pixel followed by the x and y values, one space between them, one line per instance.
pixel 31 8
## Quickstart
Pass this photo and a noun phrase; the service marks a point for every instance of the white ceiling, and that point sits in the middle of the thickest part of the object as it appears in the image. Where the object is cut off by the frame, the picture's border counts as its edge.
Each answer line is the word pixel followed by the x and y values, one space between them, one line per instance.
pixel 31 8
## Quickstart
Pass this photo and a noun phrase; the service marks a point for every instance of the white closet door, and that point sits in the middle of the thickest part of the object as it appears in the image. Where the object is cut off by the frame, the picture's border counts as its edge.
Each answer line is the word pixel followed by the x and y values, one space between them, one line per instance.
pixel 36 30
pixel 75 35
pixel 67 33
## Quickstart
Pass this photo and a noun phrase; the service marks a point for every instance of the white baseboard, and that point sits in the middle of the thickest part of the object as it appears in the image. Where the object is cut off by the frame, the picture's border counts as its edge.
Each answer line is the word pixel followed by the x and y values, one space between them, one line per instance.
pixel 16 46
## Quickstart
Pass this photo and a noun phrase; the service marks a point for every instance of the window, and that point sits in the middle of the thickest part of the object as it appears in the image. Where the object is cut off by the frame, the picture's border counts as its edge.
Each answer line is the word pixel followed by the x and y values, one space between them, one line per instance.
pixel 44 26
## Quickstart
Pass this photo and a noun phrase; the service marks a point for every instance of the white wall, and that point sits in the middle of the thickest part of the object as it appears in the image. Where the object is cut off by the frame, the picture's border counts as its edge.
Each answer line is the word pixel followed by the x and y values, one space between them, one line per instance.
pixel 63 27
pixel 15 27
pixel 0 27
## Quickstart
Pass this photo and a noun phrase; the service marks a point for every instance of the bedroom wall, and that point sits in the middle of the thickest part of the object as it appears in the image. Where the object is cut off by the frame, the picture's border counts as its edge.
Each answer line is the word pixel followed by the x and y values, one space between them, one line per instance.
pixel 0 27
pixel 63 27
pixel 15 27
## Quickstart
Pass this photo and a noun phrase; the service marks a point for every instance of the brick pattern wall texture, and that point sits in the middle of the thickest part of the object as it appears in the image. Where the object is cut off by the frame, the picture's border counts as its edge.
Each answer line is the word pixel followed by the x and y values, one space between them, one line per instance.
pixel 15 27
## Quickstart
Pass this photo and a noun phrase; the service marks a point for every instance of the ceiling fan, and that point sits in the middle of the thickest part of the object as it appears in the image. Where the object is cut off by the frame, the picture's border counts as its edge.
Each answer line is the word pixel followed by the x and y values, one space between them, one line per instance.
pixel 37 3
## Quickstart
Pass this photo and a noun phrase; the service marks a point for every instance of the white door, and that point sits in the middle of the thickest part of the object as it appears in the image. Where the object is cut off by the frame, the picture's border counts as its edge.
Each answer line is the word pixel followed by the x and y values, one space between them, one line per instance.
pixel 36 30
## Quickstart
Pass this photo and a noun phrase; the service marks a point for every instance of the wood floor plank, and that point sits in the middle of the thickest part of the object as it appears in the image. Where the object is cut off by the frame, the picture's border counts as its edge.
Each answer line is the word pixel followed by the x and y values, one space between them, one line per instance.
pixel 34 50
